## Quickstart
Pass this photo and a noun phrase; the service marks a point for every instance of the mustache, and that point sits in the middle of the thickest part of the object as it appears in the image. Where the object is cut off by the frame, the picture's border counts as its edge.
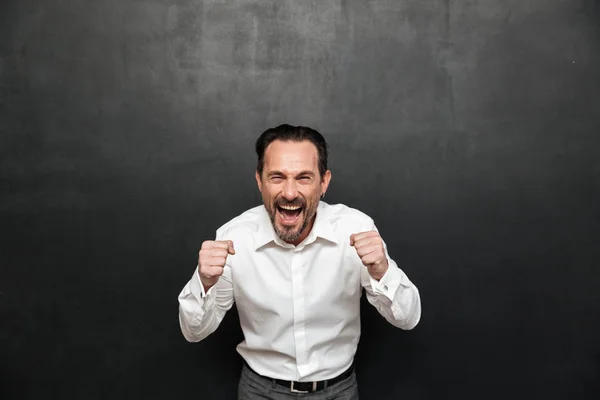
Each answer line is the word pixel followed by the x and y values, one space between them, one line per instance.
pixel 283 202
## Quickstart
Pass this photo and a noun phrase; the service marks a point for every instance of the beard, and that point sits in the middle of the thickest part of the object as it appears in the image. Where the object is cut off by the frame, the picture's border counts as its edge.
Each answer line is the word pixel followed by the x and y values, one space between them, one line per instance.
pixel 291 233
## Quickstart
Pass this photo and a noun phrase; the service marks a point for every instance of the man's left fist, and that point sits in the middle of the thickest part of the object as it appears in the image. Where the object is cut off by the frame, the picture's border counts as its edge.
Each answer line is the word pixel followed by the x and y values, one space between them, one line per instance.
pixel 369 247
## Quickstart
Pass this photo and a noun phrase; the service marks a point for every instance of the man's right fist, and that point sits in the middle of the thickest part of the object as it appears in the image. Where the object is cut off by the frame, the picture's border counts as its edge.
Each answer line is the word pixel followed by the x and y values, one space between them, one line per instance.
pixel 211 260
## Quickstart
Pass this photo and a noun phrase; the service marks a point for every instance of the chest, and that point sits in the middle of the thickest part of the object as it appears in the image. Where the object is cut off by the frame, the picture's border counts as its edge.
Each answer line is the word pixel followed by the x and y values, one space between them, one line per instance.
pixel 276 279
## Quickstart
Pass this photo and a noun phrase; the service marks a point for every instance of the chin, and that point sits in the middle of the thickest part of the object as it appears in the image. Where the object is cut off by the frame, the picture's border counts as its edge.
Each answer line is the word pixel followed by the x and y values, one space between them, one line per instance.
pixel 287 234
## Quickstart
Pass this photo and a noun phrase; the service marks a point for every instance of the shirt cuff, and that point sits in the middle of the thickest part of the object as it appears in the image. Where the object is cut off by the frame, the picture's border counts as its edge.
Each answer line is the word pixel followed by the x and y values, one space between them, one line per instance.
pixel 198 288
pixel 390 282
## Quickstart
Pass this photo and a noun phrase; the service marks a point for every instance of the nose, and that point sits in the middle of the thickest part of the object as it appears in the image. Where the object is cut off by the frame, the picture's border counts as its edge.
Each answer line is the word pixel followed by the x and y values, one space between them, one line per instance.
pixel 290 190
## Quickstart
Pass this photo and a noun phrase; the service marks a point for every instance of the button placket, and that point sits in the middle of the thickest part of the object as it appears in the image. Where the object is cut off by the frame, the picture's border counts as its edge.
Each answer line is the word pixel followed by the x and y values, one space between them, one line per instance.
pixel 299 311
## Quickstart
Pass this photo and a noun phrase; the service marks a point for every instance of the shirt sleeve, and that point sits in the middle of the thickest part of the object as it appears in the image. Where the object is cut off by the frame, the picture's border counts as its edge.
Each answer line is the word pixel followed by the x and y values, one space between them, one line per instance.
pixel 394 296
pixel 200 312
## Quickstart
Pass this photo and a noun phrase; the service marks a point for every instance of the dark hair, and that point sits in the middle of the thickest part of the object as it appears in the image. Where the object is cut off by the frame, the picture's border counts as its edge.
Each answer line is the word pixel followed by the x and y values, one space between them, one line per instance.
pixel 287 133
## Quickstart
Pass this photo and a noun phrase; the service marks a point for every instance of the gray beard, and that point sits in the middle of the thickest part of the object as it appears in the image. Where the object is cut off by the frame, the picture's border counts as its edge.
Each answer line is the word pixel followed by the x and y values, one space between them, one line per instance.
pixel 288 235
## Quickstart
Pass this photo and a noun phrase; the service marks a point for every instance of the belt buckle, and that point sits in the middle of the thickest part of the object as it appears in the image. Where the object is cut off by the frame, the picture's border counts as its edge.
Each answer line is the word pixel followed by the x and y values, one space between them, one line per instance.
pixel 314 388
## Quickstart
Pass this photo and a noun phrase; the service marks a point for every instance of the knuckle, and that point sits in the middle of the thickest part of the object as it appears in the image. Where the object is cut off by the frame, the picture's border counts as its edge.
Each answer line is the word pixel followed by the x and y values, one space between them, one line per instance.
pixel 219 261
pixel 220 253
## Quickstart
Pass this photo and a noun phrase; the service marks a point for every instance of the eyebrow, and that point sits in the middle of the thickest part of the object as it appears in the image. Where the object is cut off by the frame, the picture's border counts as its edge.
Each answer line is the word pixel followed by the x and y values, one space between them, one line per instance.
pixel 273 173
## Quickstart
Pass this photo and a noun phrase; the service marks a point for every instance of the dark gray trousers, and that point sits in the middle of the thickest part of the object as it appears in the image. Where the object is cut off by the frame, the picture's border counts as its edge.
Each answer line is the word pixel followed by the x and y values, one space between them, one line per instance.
pixel 255 387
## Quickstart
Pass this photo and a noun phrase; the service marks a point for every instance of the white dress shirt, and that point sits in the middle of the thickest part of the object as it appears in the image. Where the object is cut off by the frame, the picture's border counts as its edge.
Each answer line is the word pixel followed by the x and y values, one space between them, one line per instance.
pixel 299 306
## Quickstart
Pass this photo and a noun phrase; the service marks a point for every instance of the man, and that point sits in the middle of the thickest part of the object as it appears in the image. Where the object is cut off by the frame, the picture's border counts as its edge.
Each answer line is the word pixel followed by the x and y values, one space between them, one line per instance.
pixel 296 267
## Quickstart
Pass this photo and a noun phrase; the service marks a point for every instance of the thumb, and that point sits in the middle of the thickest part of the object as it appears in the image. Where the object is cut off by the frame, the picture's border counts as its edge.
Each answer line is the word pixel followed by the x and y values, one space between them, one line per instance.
pixel 230 249
pixel 352 239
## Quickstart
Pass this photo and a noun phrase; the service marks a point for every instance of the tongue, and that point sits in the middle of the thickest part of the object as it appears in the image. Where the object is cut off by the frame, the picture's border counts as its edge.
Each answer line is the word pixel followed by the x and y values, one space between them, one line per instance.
pixel 289 215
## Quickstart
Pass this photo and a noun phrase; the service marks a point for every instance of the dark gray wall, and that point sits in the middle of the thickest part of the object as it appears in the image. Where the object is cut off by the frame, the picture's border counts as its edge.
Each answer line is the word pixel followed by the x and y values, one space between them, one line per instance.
pixel 469 130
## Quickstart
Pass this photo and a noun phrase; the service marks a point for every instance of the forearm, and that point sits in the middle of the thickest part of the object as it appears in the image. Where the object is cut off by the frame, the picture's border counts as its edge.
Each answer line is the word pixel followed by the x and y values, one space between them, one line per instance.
pixel 395 297
pixel 200 311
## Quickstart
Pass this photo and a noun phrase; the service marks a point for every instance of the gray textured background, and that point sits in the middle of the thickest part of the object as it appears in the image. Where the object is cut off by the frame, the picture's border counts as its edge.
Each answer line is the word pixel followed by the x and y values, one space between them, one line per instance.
pixel 469 130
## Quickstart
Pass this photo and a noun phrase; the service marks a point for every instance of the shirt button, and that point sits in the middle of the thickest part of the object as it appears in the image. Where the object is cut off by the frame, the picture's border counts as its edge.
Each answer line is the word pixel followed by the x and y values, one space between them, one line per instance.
pixel 385 287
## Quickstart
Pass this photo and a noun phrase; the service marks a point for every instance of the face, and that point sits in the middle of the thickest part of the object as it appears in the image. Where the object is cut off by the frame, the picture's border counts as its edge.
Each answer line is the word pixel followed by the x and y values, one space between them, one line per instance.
pixel 291 187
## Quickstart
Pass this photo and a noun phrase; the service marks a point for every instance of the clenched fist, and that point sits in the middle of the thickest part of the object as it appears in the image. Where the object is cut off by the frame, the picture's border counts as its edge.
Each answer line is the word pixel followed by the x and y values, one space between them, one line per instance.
pixel 211 260
pixel 369 247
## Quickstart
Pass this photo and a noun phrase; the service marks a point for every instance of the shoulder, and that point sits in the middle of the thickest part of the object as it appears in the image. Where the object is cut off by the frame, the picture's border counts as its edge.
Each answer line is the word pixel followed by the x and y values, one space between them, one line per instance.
pixel 340 215
pixel 248 221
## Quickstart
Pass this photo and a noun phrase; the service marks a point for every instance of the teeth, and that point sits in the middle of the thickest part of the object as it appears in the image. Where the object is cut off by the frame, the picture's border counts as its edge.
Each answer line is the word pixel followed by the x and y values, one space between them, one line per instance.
pixel 290 208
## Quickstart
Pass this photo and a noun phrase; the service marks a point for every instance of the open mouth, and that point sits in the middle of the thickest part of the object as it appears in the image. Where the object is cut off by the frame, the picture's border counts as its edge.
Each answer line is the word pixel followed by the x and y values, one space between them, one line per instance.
pixel 289 214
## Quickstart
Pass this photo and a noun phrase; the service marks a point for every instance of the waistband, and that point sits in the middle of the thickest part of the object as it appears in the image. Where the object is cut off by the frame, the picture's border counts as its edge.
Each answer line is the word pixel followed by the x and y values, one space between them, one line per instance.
pixel 306 387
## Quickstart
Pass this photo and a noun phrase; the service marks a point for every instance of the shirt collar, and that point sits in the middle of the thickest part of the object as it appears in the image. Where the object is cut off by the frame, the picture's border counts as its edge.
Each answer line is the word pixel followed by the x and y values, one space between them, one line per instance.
pixel 322 228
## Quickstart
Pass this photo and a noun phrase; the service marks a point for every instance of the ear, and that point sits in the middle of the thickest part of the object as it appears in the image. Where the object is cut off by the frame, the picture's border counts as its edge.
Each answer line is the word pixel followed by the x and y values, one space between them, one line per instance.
pixel 325 181
pixel 258 181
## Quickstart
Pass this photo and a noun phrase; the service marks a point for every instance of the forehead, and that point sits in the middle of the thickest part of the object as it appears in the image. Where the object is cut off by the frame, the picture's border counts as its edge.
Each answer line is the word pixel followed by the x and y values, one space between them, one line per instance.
pixel 290 156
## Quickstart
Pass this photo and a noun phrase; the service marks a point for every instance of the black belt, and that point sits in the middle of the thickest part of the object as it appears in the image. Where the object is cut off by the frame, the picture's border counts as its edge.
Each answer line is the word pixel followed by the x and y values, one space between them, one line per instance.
pixel 307 387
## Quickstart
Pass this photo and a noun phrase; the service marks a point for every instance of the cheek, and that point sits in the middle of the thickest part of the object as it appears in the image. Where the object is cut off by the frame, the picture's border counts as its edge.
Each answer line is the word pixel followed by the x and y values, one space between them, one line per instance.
pixel 270 192
pixel 311 197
